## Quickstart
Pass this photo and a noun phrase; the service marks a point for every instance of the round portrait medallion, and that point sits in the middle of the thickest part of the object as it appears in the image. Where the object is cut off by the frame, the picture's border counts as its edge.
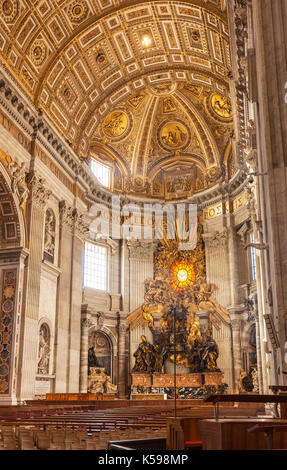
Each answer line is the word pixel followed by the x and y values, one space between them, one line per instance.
pixel 174 135
pixel 221 106
pixel 116 124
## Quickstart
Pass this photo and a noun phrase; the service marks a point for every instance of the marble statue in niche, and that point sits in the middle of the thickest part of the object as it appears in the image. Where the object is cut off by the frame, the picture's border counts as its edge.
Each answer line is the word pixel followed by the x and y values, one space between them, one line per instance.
pixel 18 181
pixel 44 350
pixel 49 240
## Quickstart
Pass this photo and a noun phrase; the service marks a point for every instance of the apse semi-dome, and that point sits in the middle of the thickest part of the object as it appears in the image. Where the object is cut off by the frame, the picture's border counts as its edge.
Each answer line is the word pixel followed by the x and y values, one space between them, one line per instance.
pixel 169 141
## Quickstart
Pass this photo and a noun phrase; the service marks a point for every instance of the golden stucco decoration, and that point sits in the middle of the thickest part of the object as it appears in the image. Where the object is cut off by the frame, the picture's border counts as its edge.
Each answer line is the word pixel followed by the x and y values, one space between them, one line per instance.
pixel 195 89
pixel 9 10
pixel 38 52
pixel 78 11
pixel 174 135
pixel 221 106
pixel 179 185
pixel 116 124
pixel 163 89
pixel 136 100
pixel 169 105
pixel 162 292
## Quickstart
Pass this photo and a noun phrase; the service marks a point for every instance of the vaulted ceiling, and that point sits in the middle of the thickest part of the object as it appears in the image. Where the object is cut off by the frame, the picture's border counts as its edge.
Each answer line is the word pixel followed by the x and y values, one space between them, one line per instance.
pixel 142 84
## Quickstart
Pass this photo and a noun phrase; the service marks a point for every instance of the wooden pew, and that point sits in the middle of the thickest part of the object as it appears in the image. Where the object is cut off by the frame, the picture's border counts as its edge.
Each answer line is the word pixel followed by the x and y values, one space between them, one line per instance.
pixel 99 424
pixel 243 398
pixel 268 431
pixel 184 431
pixel 181 430
pixel 228 434
pixel 280 390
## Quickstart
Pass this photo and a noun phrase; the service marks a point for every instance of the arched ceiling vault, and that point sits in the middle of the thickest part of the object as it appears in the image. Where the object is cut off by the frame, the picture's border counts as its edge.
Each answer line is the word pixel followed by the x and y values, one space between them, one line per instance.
pixel 157 70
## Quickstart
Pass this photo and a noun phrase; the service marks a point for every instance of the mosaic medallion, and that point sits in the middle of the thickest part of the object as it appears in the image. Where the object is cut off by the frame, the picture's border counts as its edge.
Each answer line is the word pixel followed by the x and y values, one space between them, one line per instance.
pixel 174 135
pixel 116 124
pixel 221 106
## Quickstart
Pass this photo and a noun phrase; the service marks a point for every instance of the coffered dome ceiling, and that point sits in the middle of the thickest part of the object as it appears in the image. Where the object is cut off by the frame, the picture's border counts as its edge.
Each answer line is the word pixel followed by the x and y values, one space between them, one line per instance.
pixel 142 86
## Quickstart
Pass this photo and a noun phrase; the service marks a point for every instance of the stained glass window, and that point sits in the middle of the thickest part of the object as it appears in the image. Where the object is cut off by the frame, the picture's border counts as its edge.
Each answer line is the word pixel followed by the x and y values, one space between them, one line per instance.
pixel 182 275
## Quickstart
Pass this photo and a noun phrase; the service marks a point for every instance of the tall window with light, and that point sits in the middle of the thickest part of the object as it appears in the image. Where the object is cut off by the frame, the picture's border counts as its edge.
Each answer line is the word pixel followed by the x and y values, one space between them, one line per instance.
pixel 95 266
pixel 102 172
pixel 253 259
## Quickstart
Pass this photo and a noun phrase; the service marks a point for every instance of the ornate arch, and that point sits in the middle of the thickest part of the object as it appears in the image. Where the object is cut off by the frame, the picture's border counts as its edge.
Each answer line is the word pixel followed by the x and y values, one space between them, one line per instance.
pixel 106 331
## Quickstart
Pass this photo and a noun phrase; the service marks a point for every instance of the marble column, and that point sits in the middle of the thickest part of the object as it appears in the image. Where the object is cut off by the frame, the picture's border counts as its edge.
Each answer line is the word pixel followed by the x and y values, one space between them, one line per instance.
pixel 259 354
pixel 140 269
pixel 217 263
pixel 234 264
pixel 85 323
pixel 122 380
pixel 63 298
pixel 69 300
pixel 269 19
pixel 218 273
pixel 236 345
pixel 79 231
pixel 38 197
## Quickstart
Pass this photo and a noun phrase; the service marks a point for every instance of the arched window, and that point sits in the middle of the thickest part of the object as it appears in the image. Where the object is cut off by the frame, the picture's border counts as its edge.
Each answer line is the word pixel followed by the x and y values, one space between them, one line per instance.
pixel 102 172
pixel 49 239
pixel 44 349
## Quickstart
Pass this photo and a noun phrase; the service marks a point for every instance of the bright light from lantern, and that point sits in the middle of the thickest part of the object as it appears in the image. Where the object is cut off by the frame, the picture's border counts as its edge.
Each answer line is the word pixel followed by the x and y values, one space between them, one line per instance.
pixel 182 275
pixel 146 41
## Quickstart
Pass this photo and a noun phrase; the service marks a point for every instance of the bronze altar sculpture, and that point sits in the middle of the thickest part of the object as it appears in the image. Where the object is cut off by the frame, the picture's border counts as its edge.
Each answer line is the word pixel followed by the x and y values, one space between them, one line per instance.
pixel 196 351
pixel 182 297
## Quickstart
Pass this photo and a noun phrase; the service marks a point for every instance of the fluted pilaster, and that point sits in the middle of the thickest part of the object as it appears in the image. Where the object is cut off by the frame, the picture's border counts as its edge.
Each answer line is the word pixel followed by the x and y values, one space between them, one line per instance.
pixel 236 343
pixel 141 268
pixel 85 324
pixel 122 359
pixel 38 198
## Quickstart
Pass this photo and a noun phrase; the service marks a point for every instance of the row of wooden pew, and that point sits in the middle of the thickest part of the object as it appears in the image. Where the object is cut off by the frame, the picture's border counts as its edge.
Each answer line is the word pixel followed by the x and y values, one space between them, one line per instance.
pixel 23 437
pixel 88 426
pixel 246 430
pixel 77 427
